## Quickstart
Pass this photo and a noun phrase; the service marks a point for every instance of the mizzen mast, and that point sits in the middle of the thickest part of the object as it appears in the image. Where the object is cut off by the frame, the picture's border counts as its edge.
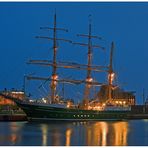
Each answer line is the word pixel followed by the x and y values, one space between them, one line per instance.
pixel 111 74
pixel 54 70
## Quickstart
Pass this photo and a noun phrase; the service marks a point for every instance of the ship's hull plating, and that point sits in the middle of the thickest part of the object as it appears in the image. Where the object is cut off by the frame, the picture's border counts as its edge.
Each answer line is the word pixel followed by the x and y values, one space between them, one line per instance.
pixel 43 112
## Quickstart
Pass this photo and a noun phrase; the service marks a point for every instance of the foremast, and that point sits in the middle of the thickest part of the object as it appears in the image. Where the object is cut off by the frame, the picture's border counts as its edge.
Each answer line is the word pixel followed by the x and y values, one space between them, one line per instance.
pixel 54 76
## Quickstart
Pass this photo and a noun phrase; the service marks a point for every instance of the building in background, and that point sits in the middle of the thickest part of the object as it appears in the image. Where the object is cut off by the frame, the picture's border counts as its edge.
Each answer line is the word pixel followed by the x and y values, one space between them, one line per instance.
pixel 119 96
pixel 13 93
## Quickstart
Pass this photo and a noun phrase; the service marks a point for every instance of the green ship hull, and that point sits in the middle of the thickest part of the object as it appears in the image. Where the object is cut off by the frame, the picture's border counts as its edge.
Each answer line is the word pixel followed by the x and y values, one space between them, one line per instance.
pixel 36 111
pixel 45 112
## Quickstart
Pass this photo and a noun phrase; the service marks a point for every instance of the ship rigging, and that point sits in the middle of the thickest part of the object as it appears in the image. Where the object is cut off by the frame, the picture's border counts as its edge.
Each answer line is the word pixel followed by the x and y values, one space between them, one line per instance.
pixel 88 109
pixel 54 79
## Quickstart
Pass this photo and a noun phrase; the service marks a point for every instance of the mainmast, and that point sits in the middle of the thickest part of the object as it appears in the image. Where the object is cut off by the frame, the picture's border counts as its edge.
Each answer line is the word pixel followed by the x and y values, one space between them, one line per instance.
pixel 89 78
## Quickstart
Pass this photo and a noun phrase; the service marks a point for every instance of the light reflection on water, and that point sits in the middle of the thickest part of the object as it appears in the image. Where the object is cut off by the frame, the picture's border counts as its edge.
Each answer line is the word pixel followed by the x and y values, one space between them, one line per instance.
pixel 121 131
pixel 68 136
pixel 73 133
pixel 44 129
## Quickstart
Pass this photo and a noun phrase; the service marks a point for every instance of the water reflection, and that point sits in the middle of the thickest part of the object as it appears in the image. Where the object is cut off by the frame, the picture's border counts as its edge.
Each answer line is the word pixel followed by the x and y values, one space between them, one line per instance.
pixel 85 133
pixel 68 137
pixel 66 134
pixel 44 129
pixel 107 133
pixel 121 131
pixel 56 139
pixel 15 129
pixel 10 133
pixel 97 134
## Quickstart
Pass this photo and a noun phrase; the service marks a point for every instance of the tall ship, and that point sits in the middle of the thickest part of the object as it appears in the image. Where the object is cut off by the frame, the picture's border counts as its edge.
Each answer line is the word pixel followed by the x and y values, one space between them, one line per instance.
pixel 110 103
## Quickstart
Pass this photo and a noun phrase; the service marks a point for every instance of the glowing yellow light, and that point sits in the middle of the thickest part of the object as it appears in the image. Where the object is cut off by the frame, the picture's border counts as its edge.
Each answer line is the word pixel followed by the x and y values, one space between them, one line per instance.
pixel 68 104
pixel 111 77
pixel 54 79
pixel 89 107
pixel 89 79
pixel 104 104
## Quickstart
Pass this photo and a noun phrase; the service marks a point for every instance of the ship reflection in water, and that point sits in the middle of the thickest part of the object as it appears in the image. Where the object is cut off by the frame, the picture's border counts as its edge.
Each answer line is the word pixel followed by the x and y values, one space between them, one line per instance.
pixel 106 133
pixel 68 137
pixel 10 133
pixel 44 129
pixel 86 133
pixel 103 133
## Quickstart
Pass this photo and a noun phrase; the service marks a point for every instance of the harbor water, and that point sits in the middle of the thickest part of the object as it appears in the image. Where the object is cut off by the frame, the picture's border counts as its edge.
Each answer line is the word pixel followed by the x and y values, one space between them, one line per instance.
pixel 93 133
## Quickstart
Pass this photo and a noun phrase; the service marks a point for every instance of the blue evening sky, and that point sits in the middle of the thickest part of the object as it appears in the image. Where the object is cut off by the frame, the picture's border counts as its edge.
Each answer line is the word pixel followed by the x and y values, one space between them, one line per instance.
pixel 124 23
